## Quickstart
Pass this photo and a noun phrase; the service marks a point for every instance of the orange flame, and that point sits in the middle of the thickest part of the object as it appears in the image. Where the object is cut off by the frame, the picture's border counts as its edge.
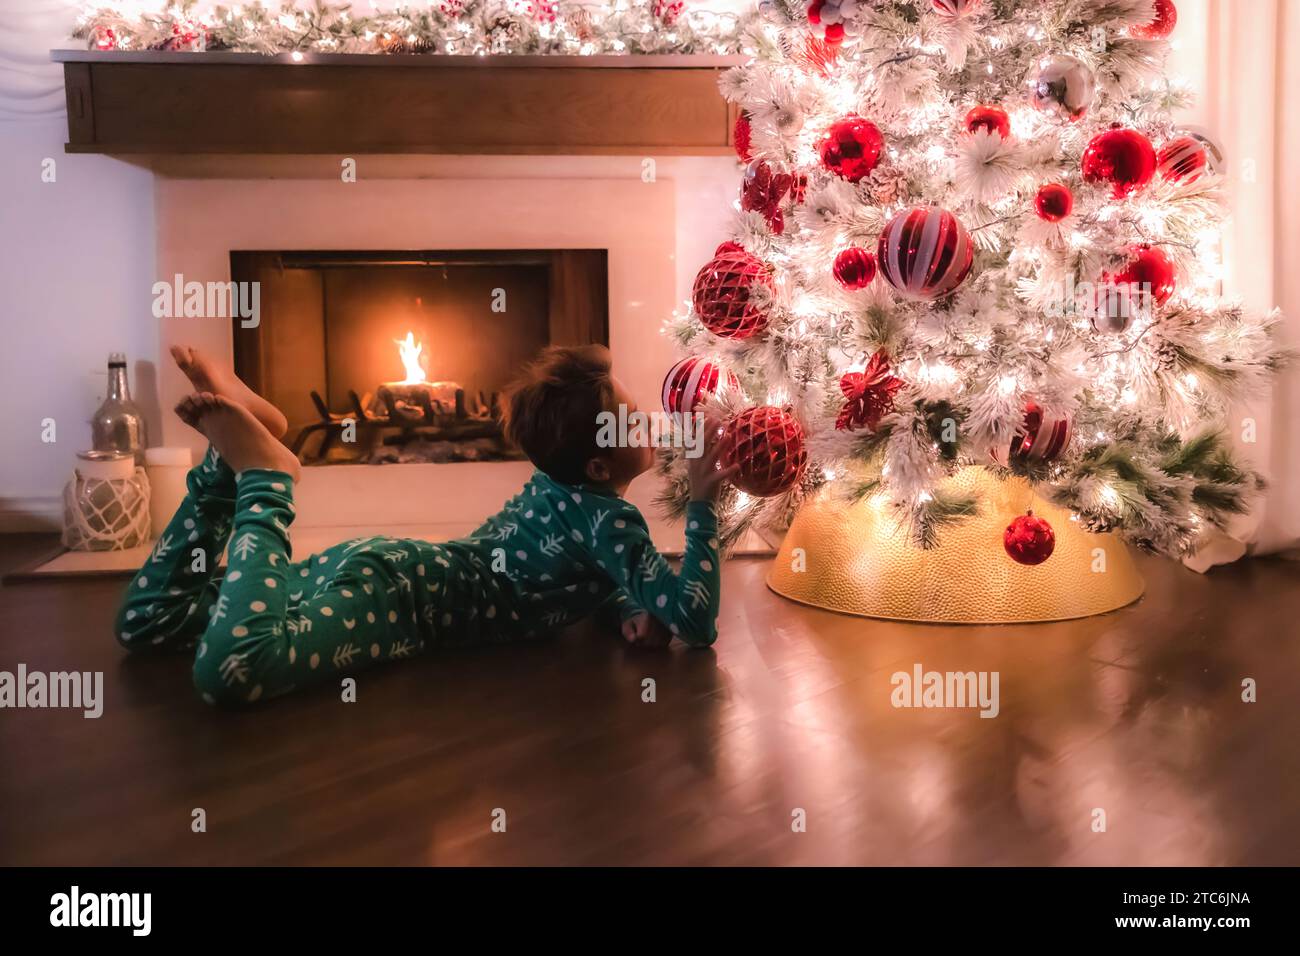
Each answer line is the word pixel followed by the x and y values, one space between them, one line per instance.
pixel 410 350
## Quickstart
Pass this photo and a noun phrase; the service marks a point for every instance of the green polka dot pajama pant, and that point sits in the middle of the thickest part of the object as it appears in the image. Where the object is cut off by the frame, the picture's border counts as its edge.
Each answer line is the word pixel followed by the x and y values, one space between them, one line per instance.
pixel 272 624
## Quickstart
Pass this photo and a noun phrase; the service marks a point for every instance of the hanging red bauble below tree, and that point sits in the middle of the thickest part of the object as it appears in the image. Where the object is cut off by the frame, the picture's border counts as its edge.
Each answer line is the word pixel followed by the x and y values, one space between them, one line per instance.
pixel 854 268
pixel 868 394
pixel 1124 158
pixel 991 118
pixel 740 137
pixel 691 381
pixel 851 148
pixel 731 292
pixel 1183 159
pixel 767 443
pixel 1054 202
pixel 924 253
pixel 1029 540
pixel 763 189
pixel 1159 28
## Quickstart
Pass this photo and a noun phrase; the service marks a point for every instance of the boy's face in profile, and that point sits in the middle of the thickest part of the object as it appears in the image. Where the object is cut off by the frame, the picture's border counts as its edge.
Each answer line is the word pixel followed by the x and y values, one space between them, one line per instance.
pixel 617 466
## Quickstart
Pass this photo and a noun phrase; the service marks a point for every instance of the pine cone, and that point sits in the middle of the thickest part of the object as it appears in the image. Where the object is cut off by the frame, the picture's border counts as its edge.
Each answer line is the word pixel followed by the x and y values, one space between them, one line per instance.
pixel 1165 356
pixel 1097 524
pixel 886 185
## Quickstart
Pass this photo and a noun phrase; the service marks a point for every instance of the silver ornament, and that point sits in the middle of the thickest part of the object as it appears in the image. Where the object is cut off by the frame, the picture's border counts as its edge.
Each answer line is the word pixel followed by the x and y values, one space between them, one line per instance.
pixel 1063 85
pixel 1116 308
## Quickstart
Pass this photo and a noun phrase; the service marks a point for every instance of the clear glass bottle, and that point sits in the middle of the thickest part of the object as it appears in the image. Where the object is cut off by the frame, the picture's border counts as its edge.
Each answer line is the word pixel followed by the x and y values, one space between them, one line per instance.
pixel 119 424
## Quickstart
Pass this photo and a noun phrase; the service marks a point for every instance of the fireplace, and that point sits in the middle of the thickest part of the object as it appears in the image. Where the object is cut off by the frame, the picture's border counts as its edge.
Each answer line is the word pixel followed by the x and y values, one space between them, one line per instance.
pixel 395 357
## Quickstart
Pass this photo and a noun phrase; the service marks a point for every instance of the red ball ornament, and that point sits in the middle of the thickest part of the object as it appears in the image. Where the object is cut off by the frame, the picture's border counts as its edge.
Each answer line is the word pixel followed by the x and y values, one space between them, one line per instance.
pixel 1029 540
pixel 1122 157
pixel 767 443
pixel 854 268
pixel 991 118
pixel 728 294
pixel 851 148
pixel 868 394
pixel 741 135
pixel 924 253
pixel 1041 438
pixel 1054 202
pixel 763 189
pixel 954 8
pixel 1184 158
pixel 691 381
pixel 1163 25
pixel 1147 280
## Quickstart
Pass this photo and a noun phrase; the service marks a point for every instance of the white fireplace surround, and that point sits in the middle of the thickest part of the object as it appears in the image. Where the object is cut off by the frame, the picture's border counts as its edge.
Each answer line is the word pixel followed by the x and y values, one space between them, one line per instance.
pixel 199 222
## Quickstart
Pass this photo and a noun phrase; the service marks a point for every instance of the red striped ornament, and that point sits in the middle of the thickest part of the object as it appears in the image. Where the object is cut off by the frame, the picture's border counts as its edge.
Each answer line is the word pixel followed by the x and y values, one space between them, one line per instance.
pixel 1184 158
pixel 690 382
pixel 954 8
pixel 1041 439
pixel 924 253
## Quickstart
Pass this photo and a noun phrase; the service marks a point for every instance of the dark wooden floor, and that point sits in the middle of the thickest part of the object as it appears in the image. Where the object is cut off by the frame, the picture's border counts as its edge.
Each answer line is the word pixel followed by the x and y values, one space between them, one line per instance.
pixel 1137 713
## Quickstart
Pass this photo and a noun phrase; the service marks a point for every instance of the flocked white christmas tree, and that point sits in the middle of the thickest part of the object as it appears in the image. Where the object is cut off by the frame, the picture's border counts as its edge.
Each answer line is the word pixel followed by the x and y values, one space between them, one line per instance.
pixel 971 232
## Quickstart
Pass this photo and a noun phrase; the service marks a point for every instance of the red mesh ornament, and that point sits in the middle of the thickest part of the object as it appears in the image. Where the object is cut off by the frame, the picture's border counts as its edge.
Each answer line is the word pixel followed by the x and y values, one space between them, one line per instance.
pixel 1146 281
pixel 991 118
pixel 869 394
pixel 740 137
pixel 1054 202
pixel 762 191
pixel 1159 28
pixel 1040 438
pixel 768 444
pixel 724 294
pixel 954 8
pixel 851 148
pixel 1184 158
pixel 924 253
pixel 1124 158
pixel 854 268
pixel 1029 540
pixel 690 382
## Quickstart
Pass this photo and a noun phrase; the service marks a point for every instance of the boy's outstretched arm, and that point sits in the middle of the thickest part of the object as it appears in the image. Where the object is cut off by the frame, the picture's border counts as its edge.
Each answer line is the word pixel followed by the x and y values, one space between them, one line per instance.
pixel 687 602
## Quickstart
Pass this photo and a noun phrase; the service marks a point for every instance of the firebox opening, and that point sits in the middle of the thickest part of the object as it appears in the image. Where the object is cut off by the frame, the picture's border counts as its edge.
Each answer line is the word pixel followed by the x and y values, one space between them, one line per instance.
pixel 402 357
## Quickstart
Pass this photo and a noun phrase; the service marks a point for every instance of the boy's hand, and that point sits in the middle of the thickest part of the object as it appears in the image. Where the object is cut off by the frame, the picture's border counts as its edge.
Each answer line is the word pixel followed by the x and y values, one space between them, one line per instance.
pixel 643 630
pixel 706 472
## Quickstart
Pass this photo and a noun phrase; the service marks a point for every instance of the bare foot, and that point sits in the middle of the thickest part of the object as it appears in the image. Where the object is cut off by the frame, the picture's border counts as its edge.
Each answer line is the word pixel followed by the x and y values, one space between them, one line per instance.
pixel 206 374
pixel 238 436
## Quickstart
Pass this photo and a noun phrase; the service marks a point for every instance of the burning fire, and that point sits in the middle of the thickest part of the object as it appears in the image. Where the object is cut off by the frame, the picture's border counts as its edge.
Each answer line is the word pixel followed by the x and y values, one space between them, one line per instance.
pixel 410 350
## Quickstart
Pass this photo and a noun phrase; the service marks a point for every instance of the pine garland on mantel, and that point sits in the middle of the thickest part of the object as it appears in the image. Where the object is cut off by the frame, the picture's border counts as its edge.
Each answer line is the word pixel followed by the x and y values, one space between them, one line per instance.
pixel 457 27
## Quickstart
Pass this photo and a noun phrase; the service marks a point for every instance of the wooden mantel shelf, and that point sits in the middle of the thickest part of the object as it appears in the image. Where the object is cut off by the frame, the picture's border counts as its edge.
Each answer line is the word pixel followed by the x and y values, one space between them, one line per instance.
pixel 130 103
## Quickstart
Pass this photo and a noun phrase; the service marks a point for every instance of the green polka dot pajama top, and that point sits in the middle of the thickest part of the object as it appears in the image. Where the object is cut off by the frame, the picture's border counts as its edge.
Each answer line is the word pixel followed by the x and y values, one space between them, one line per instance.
pixel 552 555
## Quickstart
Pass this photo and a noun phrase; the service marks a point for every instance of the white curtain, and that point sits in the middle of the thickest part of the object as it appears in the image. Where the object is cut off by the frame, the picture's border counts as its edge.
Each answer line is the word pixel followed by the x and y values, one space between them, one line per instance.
pixel 1242 58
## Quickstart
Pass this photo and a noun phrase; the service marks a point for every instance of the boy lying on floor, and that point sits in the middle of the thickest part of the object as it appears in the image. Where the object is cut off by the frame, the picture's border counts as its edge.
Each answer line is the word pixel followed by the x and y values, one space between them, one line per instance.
pixel 566 544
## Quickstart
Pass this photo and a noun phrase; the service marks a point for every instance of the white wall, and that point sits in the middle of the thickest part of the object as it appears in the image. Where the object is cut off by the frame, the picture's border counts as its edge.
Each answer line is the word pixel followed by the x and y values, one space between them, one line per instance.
pixel 76 265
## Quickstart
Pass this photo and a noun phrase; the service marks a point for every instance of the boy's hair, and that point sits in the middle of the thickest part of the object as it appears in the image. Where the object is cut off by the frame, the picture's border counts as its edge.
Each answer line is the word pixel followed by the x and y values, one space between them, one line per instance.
pixel 551 408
